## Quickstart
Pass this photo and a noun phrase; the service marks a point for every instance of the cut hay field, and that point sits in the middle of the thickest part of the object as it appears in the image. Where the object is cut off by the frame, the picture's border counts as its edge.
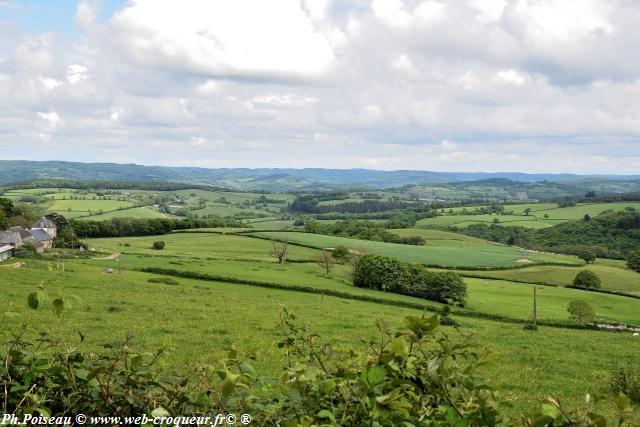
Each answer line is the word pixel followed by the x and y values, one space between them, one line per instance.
pixel 77 208
pixel 143 212
pixel 196 320
pixel 536 218
pixel 446 252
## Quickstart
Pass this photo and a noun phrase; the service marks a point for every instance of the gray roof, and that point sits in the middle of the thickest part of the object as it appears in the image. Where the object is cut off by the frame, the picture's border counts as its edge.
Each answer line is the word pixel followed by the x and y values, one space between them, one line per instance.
pixel 40 235
pixel 33 241
pixel 24 233
pixel 5 248
pixel 10 237
pixel 44 223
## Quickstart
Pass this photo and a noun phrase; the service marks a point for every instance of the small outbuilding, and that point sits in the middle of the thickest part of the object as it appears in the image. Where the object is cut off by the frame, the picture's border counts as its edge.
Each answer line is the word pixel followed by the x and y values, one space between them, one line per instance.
pixel 6 252
pixel 42 237
pixel 10 238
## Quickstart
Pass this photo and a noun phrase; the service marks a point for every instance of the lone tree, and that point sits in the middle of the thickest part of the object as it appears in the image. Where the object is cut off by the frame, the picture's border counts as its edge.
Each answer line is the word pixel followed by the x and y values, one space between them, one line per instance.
pixel 325 260
pixel 587 280
pixel 159 245
pixel 587 256
pixel 527 211
pixel 279 249
pixel 581 311
pixel 633 261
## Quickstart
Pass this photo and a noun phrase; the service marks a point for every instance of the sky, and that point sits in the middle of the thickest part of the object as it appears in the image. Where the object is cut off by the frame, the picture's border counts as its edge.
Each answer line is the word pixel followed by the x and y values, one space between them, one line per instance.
pixel 540 86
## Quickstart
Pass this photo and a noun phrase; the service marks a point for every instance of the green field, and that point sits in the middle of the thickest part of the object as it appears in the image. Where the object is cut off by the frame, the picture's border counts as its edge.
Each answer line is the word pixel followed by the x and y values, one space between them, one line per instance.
pixel 615 275
pixel 536 218
pixel 452 252
pixel 76 208
pixel 145 212
pixel 196 320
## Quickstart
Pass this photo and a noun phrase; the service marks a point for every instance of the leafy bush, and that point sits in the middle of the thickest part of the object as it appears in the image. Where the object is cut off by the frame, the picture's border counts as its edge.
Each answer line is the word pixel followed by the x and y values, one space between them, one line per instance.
pixel 165 280
pixel 587 280
pixel 633 261
pixel 413 240
pixel 159 245
pixel 626 380
pixel 341 253
pixel 587 256
pixel 27 250
pixel 411 376
pixel 581 311
pixel 391 275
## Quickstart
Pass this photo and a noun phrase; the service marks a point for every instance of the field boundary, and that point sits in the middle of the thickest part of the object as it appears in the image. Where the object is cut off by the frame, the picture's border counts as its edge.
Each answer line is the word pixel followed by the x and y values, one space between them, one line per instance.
pixel 366 298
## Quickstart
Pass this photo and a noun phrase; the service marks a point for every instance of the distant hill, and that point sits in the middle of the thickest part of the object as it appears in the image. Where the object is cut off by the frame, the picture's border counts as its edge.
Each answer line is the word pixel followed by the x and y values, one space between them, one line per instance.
pixel 296 179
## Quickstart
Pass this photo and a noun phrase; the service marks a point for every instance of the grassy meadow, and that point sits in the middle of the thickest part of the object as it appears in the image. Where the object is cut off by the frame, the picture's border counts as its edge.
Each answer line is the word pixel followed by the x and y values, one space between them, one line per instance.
pixel 454 252
pixel 541 215
pixel 196 320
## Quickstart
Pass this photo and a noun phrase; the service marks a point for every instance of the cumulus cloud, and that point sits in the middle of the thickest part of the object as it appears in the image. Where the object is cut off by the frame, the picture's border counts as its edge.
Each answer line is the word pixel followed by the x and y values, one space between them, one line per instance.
pixel 531 85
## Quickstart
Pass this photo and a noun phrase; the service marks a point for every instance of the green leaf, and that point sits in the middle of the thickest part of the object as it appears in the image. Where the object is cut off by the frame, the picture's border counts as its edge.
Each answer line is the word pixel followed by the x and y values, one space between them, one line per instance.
pixel 227 389
pixel 622 402
pixel 58 305
pixel 44 412
pixel 32 300
pixel 160 412
pixel 325 413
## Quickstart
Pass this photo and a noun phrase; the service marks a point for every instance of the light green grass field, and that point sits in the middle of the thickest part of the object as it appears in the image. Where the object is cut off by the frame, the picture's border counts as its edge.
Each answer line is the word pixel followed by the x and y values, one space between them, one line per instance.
pixel 146 212
pixel 536 218
pixel 515 300
pixel 201 245
pixel 75 208
pixel 614 275
pixel 435 252
pixel 197 320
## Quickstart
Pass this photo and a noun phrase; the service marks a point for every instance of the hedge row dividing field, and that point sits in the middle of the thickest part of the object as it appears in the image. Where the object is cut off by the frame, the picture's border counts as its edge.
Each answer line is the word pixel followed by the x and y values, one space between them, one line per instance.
pixel 195 320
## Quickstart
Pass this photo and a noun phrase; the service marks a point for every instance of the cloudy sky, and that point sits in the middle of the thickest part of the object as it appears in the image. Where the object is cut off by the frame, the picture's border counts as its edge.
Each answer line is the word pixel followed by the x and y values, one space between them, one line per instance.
pixel 450 85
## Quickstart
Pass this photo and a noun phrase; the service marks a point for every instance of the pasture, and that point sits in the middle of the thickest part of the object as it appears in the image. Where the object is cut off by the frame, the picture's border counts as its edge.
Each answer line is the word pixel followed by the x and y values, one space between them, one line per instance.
pixel 196 320
pixel 446 252
pixel 248 258
pixel 541 215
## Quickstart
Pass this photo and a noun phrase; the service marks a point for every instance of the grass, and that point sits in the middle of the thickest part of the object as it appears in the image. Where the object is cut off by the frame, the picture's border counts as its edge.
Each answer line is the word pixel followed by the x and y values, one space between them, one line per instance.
pixel 76 208
pixel 197 320
pixel 614 275
pixel 146 212
pixel 451 252
pixel 515 300
pixel 201 245
pixel 536 218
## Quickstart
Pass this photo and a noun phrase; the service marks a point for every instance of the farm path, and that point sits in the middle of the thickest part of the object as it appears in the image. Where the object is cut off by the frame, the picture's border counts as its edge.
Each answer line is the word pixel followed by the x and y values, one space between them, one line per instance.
pixel 112 256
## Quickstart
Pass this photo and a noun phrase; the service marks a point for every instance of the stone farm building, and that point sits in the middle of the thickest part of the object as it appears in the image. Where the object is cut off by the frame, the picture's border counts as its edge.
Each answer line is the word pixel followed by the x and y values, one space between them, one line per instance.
pixel 40 235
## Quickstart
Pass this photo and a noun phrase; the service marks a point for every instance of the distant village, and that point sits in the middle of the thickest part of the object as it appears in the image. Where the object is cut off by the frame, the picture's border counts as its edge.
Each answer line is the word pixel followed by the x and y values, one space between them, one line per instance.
pixel 40 235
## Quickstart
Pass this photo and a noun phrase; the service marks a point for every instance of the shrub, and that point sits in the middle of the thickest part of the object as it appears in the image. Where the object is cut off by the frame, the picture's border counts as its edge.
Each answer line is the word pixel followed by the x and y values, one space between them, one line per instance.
pixel 391 275
pixel 413 240
pixel 626 380
pixel 633 261
pixel 581 311
pixel 410 376
pixel 165 280
pixel 341 253
pixel 27 250
pixel 159 245
pixel 587 256
pixel 587 280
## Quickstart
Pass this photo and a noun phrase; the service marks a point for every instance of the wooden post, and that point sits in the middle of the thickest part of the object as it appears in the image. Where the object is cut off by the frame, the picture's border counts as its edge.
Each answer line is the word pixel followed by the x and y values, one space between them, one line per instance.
pixel 535 306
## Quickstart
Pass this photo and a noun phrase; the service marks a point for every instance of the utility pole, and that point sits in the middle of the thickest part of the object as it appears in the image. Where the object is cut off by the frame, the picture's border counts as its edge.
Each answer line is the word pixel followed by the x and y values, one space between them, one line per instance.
pixel 535 307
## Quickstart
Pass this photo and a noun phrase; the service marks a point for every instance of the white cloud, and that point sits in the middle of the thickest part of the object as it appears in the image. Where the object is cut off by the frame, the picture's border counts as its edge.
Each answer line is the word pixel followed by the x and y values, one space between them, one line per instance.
pixel 460 84
pixel 77 73
pixel 243 37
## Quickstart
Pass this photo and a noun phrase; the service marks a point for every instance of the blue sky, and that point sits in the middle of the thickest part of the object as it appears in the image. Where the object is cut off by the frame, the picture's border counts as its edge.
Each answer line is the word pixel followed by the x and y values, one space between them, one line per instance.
pixel 34 17
pixel 457 85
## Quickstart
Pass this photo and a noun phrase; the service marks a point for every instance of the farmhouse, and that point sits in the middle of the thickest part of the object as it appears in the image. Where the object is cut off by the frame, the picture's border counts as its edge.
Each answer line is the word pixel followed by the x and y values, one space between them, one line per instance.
pixel 40 236
pixel 10 238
